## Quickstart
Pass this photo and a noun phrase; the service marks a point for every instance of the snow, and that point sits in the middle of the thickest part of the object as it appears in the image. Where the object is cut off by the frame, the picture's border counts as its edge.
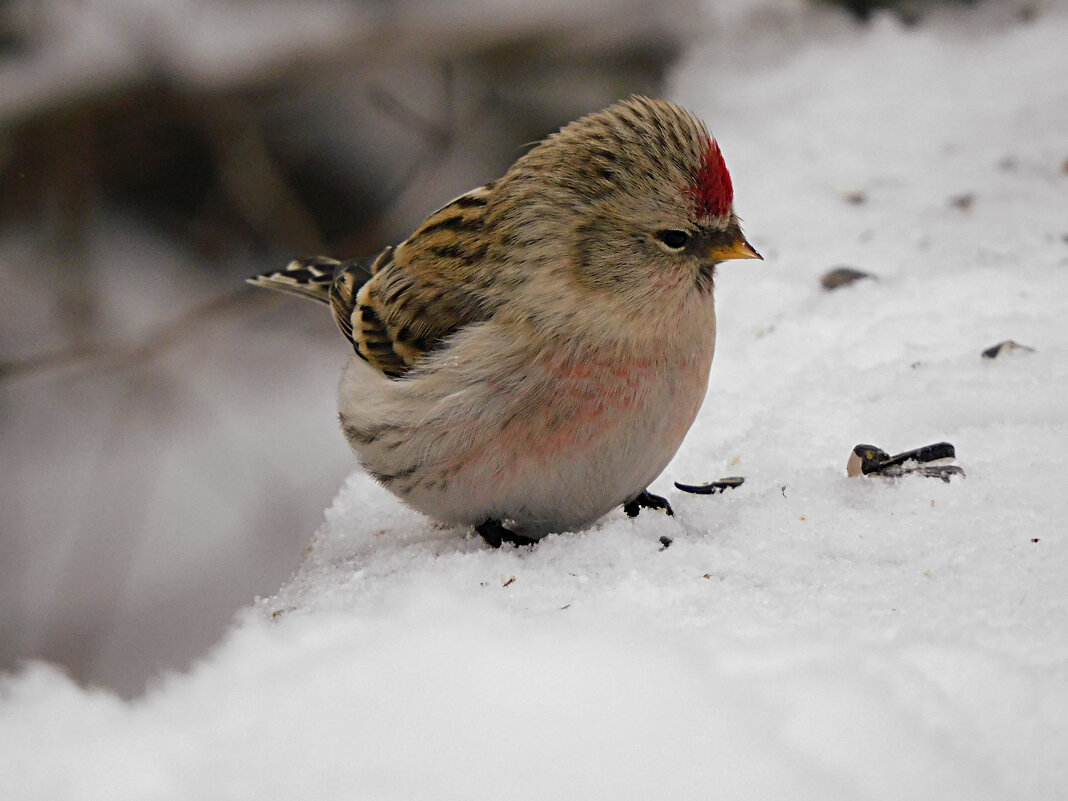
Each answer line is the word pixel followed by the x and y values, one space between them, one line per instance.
pixel 807 635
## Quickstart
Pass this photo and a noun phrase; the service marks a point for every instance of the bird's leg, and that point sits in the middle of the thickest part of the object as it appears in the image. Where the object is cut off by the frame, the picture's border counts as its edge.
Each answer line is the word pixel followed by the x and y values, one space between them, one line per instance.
pixel 495 532
pixel 646 500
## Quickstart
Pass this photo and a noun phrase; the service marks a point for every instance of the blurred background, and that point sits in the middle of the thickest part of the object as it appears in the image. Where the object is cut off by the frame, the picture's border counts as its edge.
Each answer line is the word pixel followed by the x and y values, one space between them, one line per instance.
pixel 168 434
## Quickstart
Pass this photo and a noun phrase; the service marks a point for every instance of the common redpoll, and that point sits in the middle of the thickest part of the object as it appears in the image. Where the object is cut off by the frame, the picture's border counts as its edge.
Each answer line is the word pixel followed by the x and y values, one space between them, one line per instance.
pixel 533 355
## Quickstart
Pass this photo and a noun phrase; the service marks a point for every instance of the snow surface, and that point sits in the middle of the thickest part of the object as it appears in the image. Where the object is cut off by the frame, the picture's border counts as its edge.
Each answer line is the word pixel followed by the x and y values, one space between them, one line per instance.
pixel 805 636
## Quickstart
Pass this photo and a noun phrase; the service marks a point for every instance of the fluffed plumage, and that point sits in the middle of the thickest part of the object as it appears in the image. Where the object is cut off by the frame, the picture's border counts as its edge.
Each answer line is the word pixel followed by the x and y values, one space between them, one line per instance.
pixel 534 353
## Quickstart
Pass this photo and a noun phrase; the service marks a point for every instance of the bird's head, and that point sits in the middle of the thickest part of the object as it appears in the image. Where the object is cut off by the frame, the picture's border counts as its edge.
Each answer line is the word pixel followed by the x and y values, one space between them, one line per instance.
pixel 644 199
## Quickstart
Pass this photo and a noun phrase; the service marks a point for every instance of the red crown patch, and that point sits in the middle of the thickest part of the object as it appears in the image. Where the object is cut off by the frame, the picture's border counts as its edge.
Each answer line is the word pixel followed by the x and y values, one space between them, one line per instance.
pixel 712 190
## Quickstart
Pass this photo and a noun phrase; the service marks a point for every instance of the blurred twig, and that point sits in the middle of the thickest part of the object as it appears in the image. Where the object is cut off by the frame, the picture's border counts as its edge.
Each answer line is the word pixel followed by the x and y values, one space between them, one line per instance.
pixel 253 183
pixel 110 357
pixel 439 136
pixel 251 179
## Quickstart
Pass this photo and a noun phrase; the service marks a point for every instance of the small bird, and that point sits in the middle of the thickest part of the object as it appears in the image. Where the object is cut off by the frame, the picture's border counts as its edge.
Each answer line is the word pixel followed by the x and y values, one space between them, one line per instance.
pixel 533 355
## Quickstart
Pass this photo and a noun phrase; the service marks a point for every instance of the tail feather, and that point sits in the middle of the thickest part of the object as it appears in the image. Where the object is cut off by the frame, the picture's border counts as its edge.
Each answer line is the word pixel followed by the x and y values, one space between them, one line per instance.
pixel 327 281
pixel 308 278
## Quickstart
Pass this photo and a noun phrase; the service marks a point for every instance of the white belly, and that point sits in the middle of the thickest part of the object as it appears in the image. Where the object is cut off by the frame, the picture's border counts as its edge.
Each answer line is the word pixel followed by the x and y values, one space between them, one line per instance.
pixel 547 442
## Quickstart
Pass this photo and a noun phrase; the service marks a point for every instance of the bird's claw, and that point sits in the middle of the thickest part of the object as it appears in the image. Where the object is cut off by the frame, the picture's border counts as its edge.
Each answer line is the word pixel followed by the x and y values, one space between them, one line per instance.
pixel 496 533
pixel 646 500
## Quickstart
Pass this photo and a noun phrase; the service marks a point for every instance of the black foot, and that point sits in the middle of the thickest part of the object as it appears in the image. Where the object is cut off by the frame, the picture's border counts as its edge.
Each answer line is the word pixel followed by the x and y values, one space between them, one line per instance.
pixel 646 500
pixel 494 532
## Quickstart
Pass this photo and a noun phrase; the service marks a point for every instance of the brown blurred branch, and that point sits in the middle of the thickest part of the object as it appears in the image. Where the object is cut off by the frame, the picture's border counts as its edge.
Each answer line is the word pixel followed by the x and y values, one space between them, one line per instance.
pixel 110 357
pixel 251 179
pixel 438 136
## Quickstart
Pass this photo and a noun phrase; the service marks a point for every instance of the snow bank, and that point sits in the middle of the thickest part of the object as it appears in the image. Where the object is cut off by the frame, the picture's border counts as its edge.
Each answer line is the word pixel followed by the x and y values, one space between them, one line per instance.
pixel 805 636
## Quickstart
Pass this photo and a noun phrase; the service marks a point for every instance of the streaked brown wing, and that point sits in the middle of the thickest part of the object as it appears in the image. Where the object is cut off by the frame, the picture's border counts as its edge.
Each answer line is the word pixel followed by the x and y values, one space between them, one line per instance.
pixel 423 290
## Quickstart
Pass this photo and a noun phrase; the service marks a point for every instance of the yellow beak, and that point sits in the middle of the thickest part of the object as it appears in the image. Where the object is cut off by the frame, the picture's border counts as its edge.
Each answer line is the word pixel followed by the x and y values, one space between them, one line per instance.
pixel 738 248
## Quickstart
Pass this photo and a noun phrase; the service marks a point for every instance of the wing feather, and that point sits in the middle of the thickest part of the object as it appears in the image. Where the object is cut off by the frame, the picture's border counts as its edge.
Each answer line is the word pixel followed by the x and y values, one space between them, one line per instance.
pixel 404 303
pixel 426 289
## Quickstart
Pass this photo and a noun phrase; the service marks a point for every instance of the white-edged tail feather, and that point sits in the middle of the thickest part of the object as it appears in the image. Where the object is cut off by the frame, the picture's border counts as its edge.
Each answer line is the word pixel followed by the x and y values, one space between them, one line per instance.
pixel 308 278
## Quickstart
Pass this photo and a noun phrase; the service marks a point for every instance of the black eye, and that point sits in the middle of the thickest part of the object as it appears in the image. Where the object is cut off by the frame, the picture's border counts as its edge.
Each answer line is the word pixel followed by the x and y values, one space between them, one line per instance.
pixel 676 240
